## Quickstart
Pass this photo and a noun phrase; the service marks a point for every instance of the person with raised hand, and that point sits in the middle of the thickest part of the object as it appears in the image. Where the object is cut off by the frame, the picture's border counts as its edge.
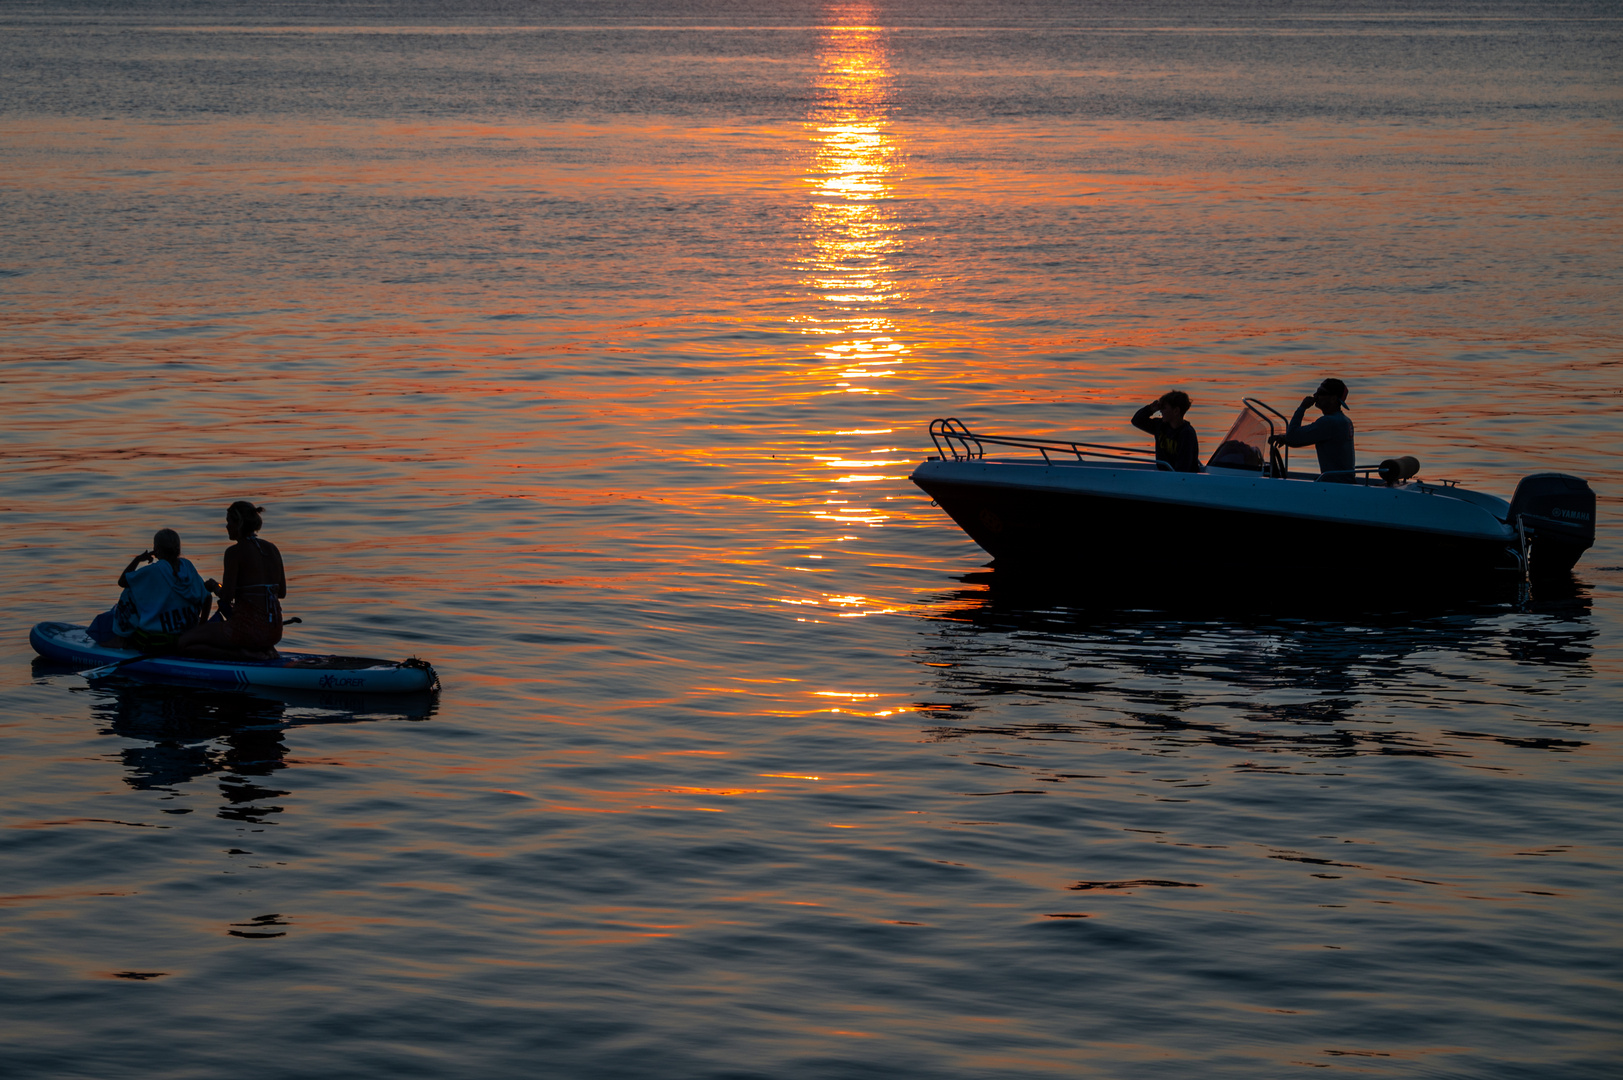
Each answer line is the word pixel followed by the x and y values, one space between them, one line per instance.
pixel 1175 440
pixel 160 600
pixel 1331 435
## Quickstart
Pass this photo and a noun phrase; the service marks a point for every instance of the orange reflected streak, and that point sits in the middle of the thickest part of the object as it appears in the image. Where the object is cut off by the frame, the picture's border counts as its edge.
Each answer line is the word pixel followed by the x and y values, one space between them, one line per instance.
pixel 853 236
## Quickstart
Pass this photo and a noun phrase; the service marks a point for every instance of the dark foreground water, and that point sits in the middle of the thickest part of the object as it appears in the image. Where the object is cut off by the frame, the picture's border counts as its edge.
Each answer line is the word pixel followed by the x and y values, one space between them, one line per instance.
pixel 584 350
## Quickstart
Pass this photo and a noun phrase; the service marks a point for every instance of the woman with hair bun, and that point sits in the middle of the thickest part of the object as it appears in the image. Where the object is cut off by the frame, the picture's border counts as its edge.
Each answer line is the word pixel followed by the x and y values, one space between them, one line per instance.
pixel 250 616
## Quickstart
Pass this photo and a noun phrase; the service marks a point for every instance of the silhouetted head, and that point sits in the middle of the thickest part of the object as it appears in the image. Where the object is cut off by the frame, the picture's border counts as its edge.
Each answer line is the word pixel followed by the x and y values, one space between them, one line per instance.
pixel 1174 401
pixel 243 517
pixel 166 544
pixel 1331 395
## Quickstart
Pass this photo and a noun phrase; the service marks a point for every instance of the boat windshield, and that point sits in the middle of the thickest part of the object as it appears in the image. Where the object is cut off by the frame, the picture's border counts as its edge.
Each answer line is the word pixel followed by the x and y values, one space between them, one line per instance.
pixel 1246 444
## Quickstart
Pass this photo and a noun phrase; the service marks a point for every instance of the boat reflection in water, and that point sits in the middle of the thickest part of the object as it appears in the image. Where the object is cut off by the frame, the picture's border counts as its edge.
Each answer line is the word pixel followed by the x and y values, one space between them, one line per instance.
pixel 185 733
pixel 1310 676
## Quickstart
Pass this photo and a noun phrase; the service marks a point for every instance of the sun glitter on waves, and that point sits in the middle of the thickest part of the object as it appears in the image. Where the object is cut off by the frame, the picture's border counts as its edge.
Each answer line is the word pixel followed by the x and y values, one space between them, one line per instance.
pixel 848 266
pixel 853 235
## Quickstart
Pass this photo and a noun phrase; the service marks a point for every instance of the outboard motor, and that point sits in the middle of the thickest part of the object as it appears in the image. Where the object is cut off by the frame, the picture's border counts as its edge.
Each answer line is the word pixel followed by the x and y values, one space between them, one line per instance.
pixel 1557 514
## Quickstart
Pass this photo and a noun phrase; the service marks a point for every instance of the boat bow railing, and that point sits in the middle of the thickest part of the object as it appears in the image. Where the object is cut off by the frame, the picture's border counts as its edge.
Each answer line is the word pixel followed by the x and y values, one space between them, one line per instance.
pixel 956 442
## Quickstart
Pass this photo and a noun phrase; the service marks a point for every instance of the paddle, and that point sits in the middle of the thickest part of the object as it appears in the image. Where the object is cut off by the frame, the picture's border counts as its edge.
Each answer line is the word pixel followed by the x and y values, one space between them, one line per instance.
pixel 116 665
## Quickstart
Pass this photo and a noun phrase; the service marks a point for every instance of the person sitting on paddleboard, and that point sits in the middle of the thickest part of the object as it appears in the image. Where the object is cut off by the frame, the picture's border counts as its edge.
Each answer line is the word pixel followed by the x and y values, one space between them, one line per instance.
pixel 159 601
pixel 1175 441
pixel 1331 435
pixel 249 622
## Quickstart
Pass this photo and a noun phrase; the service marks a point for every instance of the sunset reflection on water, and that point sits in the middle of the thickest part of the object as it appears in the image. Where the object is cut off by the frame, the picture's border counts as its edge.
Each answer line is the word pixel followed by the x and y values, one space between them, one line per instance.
pixel 853 237
pixel 589 361
pixel 848 264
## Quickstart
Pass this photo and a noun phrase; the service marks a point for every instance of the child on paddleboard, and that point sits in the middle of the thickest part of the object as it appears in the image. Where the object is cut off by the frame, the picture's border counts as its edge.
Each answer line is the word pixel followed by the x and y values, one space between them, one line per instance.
pixel 159 602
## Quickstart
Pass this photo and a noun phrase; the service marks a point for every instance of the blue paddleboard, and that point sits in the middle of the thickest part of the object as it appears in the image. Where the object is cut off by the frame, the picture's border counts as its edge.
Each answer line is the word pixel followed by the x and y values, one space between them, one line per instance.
pixel 70 644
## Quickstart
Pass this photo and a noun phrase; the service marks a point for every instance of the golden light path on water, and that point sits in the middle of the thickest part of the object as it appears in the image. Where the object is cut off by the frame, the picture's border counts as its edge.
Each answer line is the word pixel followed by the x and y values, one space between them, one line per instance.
pixel 849 266
pixel 606 407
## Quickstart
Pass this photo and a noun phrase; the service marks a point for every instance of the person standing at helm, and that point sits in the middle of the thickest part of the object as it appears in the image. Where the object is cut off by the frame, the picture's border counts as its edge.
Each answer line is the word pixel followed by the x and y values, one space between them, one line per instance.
pixel 250 617
pixel 1331 435
pixel 1175 441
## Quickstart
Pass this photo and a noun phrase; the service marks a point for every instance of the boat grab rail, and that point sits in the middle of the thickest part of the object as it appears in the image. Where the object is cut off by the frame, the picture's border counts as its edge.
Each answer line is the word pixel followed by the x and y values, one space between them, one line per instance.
pixel 1279 455
pixel 954 440
pixel 1392 471
pixel 1365 470
pixel 1258 405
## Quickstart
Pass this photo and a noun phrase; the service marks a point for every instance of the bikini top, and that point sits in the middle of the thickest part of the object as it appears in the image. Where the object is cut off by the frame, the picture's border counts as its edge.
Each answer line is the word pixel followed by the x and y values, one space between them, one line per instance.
pixel 273 606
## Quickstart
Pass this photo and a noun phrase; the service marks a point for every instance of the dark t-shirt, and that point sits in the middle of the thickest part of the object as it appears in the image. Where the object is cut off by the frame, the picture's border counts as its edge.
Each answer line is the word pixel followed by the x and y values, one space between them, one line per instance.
pixel 1177 446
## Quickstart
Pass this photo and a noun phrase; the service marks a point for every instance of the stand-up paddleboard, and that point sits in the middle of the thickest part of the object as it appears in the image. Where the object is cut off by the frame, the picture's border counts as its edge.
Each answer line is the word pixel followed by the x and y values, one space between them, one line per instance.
pixel 297 671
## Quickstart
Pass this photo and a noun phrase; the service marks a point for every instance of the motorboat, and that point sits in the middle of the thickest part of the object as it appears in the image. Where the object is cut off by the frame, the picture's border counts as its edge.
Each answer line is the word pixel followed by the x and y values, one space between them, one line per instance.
pixel 1097 509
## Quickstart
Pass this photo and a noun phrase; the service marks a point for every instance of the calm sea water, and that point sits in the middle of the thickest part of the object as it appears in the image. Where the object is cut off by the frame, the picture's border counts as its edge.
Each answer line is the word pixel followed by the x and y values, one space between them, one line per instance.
pixel 584 349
